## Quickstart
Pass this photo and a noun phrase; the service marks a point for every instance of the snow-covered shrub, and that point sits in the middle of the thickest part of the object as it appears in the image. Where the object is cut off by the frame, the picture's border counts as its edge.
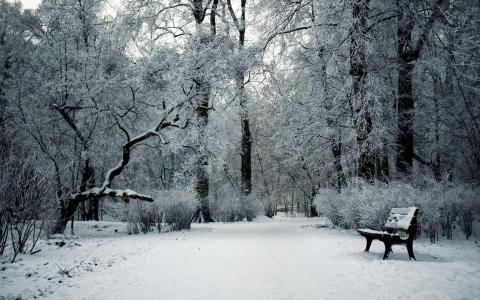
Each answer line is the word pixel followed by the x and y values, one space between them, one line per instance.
pixel 177 207
pixel 179 215
pixel 268 207
pixel 368 205
pixel 236 208
pixel 141 217
pixel 250 207
pixel 173 208
pixel 147 218
pixel 429 217
pixel 467 208
pixel 331 204
pixel 133 219
pixel 443 206
pixel 229 206
pixel 26 193
pixel 228 210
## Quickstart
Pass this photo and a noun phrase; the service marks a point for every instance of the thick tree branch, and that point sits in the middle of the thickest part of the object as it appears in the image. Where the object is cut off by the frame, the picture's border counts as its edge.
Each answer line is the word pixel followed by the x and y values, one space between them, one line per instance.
pixel 105 189
pixel 427 28
pixel 174 6
pixel 213 14
pixel 96 193
pixel 62 111
pixel 234 16
pixel 421 160
pixel 300 28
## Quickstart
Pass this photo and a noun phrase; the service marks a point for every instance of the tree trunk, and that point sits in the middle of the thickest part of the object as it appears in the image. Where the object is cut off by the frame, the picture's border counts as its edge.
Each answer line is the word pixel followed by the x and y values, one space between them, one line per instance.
pixel 202 87
pixel 246 150
pixel 202 184
pixel 4 73
pixel 358 71
pixel 337 155
pixel 65 213
pixel 407 54
pixel 93 203
pixel 332 123
pixel 87 182
pixel 436 168
pixel 383 171
pixel 405 107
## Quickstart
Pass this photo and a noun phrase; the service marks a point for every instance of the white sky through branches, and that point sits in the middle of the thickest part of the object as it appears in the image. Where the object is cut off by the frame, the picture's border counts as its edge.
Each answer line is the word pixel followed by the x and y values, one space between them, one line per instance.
pixel 111 8
pixel 30 4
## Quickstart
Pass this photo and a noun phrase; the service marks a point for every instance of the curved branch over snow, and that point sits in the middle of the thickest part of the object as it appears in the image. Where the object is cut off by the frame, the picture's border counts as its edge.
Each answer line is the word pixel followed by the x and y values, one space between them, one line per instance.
pixel 105 190
pixel 97 193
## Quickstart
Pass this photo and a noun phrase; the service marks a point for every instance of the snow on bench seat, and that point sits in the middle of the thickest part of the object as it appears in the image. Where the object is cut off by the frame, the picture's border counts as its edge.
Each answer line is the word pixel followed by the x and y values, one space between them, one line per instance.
pixel 400 218
pixel 377 232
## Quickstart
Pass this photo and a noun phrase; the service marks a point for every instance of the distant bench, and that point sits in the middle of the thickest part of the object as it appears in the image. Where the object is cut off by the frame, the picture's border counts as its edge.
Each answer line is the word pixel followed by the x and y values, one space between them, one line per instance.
pixel 400 219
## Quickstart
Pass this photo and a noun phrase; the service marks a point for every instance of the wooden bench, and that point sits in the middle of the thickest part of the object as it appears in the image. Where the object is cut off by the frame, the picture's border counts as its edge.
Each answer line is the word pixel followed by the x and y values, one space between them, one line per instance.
pixel 400 219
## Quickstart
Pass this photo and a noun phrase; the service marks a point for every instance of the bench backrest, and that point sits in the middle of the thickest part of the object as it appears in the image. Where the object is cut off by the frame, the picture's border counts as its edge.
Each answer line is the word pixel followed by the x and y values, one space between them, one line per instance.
pixel 404 218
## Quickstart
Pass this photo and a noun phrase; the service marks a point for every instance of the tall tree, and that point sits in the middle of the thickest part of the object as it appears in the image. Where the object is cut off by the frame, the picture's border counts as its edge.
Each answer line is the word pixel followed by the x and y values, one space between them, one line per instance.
pixel 203 90
pixel 16 31
pixel 358 71
pixel 240 69
pixel 408 52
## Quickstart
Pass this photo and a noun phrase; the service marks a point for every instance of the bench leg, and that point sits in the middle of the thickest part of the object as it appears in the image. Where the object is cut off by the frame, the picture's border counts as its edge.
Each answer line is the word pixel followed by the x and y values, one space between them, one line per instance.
pixel 369 243
pixel 388 249
pixel 410 251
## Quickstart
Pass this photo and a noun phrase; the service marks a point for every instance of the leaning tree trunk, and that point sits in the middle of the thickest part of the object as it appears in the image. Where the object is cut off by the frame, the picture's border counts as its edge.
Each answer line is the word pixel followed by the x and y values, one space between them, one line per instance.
pixel 358 71
pixel 65 214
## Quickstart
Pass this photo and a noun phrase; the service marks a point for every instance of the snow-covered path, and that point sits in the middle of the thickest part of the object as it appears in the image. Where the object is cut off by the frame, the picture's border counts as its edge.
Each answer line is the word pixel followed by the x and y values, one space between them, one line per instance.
pixel 279 259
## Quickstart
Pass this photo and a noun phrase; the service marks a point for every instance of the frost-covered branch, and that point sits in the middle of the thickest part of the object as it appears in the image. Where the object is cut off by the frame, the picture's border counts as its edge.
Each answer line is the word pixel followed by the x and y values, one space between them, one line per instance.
pixel 105 190
pixel 292 30
pixel 98 193
pixel 62 110
pixel 436 13
pixel 234 16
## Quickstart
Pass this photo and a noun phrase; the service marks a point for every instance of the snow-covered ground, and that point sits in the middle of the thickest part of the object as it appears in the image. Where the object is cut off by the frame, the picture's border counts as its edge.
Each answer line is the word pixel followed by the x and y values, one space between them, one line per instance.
pixel 267 259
